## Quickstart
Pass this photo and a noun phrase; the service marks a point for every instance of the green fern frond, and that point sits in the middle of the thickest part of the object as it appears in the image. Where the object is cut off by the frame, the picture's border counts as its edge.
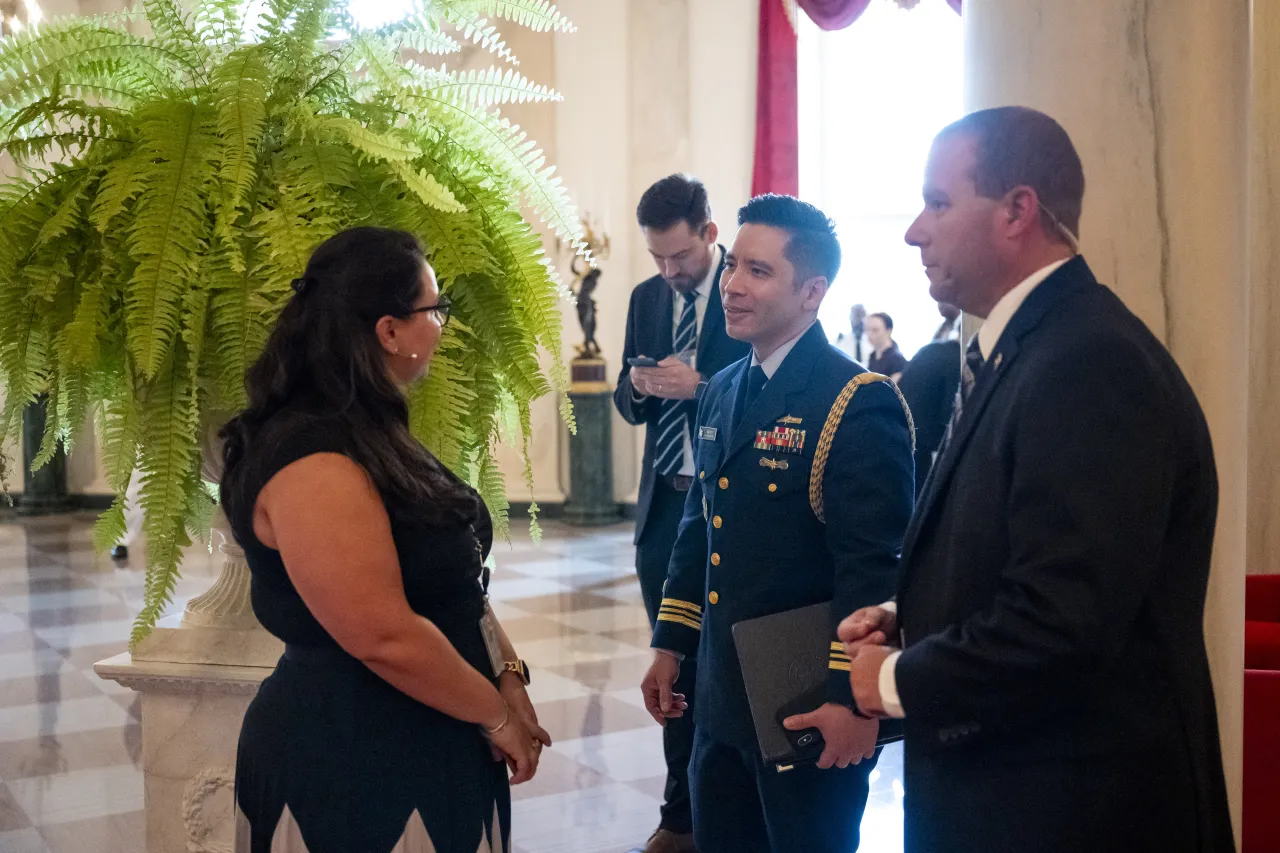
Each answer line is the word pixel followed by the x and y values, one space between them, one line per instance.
pixel 538 15
pixel 171 225
pixel 110 527
pixel 174 33
pixel 480 33
pixel 240 91
pixel 169 186
pixel 481 88
pixel 493 490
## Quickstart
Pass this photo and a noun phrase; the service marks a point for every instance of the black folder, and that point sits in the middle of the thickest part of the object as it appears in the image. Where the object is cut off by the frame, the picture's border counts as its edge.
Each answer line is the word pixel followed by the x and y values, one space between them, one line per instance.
pixel 784 667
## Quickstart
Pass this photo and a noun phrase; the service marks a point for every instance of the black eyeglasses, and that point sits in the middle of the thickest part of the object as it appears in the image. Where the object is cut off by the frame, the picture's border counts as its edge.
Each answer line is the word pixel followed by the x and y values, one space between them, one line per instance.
pixel 442 309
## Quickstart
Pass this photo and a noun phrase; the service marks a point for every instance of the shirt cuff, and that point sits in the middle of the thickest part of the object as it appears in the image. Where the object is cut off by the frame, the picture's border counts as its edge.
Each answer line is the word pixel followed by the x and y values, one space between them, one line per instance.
pixel 670 653
pixel 889 698
pixel 637 397
pixel 891 605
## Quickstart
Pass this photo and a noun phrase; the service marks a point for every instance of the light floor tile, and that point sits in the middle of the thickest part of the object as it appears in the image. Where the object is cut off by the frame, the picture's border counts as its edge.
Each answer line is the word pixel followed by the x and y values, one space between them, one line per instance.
pixel 80 794
pixel 547 686
pixel 22 841
pixel 30 664
pixel 603 619
pixel 580 648
pixel 500 590
pixel 604 819
pixel 88 634
pixel 623 756
pixel 560 569
pixel 9 623
pixel 55 600
pixel 24 722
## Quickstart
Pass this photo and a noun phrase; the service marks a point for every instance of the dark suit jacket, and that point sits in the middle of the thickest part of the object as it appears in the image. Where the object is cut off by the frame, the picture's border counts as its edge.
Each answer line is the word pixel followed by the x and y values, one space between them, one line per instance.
pixel 1055 678
pixel 750 543
pixel 929 384
pixel 649 331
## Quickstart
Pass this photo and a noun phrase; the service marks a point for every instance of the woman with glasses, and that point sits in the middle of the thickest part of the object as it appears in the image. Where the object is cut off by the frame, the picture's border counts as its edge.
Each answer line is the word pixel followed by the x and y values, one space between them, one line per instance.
pixel 399 705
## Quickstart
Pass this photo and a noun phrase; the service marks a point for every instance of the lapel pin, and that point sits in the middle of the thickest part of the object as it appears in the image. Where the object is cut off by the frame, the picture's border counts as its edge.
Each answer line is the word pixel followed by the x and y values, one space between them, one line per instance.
pixel 999 358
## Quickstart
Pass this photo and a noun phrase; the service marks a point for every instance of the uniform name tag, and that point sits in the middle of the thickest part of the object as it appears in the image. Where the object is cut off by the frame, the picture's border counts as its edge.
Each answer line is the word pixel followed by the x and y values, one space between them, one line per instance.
pixel 780 439
pixel 707 433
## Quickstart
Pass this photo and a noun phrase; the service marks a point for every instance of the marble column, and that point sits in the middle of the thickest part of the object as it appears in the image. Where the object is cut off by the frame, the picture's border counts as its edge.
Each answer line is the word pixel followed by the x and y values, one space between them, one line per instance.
pixel 1264 292
pixel 1156 97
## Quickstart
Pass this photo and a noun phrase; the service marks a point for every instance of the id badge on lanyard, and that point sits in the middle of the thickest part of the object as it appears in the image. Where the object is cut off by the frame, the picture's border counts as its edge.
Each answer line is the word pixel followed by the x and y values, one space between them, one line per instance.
pixel 488 622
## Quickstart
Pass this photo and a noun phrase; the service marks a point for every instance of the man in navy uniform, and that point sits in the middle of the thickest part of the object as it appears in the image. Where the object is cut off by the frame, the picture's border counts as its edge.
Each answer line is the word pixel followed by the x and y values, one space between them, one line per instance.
pixel 803 494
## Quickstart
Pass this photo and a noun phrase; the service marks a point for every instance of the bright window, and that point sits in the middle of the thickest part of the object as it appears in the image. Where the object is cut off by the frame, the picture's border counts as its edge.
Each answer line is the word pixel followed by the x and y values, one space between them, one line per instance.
pixel 871 98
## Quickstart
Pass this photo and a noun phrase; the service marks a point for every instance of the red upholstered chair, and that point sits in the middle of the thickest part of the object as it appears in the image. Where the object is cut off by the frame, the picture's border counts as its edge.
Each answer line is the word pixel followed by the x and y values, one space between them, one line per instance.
pixel 1262 714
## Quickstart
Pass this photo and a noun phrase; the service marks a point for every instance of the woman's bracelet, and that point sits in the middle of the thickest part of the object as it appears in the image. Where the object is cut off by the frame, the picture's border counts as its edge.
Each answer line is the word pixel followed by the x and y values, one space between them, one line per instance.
pixel 506 718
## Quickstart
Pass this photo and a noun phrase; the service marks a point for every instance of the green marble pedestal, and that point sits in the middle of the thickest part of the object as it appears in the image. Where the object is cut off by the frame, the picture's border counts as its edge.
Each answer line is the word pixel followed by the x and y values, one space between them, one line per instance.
pixel 590 500
pixel 44 490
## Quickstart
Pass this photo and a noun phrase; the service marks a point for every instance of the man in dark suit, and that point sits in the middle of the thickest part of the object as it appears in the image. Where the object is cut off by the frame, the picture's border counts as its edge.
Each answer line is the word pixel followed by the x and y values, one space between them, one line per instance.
pixel 802 496
pixel 1052 669
pixel 676 319
pixel 929 384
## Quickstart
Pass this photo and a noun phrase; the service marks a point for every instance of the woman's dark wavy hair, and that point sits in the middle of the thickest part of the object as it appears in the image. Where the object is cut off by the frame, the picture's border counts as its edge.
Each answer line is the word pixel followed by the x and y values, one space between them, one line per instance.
pixel 323 361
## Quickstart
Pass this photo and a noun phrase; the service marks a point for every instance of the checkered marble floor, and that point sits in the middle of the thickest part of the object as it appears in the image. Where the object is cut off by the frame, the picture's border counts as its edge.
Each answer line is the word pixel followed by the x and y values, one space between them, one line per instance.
pixel 70 743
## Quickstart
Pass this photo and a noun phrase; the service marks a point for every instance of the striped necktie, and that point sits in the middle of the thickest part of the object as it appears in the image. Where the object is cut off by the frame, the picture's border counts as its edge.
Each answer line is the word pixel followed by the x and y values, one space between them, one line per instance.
pixel 673 423
pixel 969 370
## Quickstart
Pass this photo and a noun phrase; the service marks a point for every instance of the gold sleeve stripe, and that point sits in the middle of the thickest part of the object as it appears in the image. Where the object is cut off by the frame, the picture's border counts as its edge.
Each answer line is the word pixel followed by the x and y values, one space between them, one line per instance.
pixel 835 658
pixel 679 614
pixel 842 666
pixel 837 647
pixel 828 434
pixel 677 604
pixel 679 620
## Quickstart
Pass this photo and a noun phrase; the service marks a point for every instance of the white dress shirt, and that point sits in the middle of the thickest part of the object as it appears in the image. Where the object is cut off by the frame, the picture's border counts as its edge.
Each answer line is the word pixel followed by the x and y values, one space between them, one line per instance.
pixel 988 337
pixel 703 291
pixel 771 364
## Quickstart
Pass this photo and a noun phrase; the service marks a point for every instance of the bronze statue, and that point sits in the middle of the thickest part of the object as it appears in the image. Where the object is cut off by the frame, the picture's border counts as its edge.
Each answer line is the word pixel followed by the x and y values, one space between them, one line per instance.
pixel 586 281
pixel 587 311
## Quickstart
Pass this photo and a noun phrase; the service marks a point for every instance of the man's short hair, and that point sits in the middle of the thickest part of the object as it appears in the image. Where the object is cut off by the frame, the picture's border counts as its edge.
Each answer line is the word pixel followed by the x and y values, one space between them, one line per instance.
pixel 812 246
pixel 675 198
pixel 1019 146
pixel 884 318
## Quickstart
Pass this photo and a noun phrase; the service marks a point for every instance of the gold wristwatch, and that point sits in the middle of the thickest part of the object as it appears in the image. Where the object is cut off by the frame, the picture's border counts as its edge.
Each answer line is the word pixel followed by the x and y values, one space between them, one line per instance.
pixel 520 668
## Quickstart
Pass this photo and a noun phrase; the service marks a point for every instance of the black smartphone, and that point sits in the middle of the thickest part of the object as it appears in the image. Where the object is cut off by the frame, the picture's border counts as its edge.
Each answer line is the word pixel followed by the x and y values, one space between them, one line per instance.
pixel 807 743
pixel 642 361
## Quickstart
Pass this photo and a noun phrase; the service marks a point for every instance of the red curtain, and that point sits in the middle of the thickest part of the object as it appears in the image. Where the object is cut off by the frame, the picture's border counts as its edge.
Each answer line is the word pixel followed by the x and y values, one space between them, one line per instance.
pixel 776 168
pixel 834 14
pixel 777 157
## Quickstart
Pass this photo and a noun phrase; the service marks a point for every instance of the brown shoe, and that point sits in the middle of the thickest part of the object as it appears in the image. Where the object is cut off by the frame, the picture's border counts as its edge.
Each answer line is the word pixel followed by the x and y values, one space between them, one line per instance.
pixel 666 841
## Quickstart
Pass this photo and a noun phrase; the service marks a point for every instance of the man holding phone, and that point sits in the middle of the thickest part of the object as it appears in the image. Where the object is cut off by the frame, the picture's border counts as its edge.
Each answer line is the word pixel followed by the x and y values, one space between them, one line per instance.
pixel 675 341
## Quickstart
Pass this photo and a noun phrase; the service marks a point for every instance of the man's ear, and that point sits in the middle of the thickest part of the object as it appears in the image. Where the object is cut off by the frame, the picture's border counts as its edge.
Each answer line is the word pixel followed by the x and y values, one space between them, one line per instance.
pixel 816 290
pixel 710 232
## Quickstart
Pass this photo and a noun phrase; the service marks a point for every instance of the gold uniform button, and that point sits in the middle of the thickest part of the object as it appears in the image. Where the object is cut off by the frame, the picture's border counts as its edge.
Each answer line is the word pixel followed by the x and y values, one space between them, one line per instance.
pixel 713 597
pixel 773 487
pixel 702 475
pixel 724 482
pixel 717 521
pixel 715 559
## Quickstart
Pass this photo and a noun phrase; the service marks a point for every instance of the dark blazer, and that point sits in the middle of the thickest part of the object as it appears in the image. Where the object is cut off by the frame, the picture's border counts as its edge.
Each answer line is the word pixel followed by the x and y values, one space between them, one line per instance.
pixel 649 331
pixel 750 543
pixel 929 384
pixel 1055 678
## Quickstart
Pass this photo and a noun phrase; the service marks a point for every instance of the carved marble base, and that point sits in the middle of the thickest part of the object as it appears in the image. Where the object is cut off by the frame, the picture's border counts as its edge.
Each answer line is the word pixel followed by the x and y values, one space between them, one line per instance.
pixel 197 674
pixel 191 716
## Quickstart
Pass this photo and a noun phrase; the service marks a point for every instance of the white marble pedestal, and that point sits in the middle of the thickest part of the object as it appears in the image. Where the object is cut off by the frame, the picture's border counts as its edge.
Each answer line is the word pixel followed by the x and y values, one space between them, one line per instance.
pixel 191 715
pixel 197 674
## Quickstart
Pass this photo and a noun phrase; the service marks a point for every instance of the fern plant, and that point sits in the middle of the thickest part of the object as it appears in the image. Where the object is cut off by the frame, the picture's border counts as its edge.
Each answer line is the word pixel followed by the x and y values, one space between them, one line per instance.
pixel 167 187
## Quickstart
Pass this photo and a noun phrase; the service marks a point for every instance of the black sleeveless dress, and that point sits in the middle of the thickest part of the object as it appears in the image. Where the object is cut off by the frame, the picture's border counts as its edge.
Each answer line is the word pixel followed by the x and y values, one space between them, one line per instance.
pixel 332 759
